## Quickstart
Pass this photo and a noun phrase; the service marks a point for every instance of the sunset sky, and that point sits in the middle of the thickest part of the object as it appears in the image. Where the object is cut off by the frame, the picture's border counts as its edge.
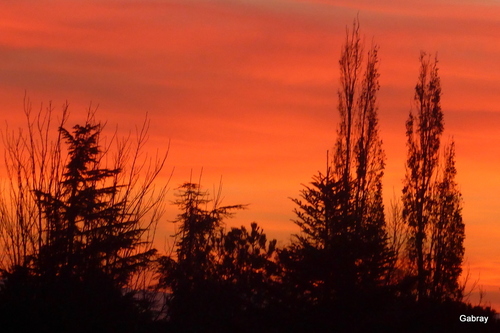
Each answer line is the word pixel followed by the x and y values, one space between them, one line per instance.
pixel 247 90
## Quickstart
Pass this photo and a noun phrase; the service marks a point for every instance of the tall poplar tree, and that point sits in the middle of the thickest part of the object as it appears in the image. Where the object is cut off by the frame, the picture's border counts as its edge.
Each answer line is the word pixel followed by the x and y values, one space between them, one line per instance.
pixel 341 213
pixel 431 199
pixel 448 233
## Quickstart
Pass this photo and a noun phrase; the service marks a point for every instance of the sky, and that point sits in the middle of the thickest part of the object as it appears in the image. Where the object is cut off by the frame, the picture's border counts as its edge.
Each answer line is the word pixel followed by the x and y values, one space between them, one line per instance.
pixel 245 92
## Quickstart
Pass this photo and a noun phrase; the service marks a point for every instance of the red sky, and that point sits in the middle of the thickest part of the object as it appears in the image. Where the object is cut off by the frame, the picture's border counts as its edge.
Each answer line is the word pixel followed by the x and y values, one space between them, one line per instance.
pixel 246 90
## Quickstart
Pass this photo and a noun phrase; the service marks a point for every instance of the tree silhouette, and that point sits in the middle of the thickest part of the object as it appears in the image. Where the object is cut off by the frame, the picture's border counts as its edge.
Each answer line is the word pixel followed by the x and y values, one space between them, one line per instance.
pixel 84 229
pixel 197 297
pixel 341 213
pixel 88 229
pixel 447 234
pixel 246 263
pixel 218 281
pixel 198 231
pixel 431 200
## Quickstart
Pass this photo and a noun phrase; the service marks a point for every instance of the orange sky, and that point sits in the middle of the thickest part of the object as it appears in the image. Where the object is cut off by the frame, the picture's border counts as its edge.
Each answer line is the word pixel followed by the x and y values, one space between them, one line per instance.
pixel 247 90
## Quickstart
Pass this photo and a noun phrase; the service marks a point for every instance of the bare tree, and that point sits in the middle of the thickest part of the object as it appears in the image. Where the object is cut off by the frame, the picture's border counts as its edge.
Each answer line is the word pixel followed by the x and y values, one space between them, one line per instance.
pixel 34 161
pixel 398 236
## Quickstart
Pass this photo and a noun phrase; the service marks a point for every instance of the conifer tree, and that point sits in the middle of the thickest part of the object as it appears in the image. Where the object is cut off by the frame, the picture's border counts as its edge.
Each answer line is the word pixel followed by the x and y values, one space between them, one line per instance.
pixel 190 274
pixel 80 231
pixel 89 231
pixel 217 280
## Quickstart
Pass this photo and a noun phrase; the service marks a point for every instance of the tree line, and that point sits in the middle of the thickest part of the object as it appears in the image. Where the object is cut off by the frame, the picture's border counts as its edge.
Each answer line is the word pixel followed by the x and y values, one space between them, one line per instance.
pixel 78 217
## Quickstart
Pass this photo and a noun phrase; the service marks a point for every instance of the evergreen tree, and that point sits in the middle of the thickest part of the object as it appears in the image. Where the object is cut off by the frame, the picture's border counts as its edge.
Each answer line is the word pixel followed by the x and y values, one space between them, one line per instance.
pixel 219 281
pixel 246 264
pixel 88 233
pixel 197 296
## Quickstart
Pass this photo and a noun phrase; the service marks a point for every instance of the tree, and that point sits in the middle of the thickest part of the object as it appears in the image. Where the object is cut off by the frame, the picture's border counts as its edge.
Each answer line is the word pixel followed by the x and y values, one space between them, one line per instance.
pixel 81 230
pixel 341 214
pixel 447 233
pixel 190 274
pixel 218 280
pixel 359 162
pixel 88 229
pixel 198 231
pixel 431 200
pixel 246 263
